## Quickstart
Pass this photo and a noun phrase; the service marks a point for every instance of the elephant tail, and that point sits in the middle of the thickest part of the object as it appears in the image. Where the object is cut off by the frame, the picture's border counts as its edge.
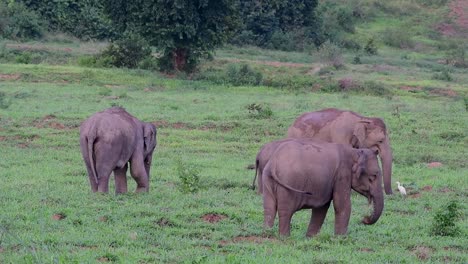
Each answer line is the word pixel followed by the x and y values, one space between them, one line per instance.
pixel 256 174
pixel 91 157
pixel 275 178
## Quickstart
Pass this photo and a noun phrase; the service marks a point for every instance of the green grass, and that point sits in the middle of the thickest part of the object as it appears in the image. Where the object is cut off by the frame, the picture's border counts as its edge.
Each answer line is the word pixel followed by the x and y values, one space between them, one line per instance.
pixel 209 127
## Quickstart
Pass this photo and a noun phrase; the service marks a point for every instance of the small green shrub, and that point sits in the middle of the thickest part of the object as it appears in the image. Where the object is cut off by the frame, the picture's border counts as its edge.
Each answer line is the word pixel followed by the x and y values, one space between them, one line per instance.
pixel 331 55
pixel 126 52
pixel 259 111
pixel 371 47
pixel 4 101
pixel 24 57
pixel 465 100
pixel 243 75
pixel 104 91
pixel 189 176
pixel 397 38
pixel 456 56
pixel 444 222
pixel 443 76
pixel 357 59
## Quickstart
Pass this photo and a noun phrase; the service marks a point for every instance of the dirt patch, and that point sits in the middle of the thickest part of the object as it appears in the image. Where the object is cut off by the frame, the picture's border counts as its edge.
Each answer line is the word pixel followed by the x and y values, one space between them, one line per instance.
pixel 10 77
pixel 422 252
pixel 163 222
pixel 366 250
pixel 247 239
pixel 88 247
pixel 445 190
pixel 411 88
pixel 415 195
pixel 59 216
pixel 443 92
pixel 2 250
pixel 103 219
pixel 271 63
pixel 49 121
pixel 434 164
pixel 427 188
pixel 213 218
pixel 103 259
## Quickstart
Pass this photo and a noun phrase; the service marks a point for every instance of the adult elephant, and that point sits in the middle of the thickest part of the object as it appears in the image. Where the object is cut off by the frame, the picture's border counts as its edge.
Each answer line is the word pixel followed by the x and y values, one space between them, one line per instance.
pixel 111 139
pixel 347 127
pixel 309 174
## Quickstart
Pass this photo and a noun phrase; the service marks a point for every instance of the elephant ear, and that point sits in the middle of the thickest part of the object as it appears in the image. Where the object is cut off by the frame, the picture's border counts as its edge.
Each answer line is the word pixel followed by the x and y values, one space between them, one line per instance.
pixel 149 137
pixel 359 163
pixel 359 134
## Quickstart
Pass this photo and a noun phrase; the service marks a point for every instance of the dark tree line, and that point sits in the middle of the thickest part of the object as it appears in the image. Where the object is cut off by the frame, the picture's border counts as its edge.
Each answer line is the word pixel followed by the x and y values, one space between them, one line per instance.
pixel 182 31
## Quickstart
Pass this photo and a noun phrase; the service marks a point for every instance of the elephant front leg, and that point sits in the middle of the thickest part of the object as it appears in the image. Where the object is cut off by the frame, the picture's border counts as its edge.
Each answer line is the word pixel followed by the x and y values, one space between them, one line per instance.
pixel 342 207
pixel 120 176
pixel 138 171
pixel 316 220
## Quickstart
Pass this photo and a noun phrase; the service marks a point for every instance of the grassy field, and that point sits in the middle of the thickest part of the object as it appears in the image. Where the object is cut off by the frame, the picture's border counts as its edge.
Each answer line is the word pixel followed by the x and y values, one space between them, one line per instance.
pixel 49 215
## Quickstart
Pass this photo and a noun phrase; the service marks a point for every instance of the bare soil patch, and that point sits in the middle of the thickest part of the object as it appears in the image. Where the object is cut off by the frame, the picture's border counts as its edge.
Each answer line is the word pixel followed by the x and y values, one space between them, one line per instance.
pixel 427 188
pixel 213 218
pixel 103 259
pixel 10 77
pixel 415 195
pixel 445 190
pixel 366 250
pixel 59 216
pixel 443 92
pixel 49 121
pixel 422 252
pixel 434 164
pixel 187 126
pixel 411 88
pixel 163 222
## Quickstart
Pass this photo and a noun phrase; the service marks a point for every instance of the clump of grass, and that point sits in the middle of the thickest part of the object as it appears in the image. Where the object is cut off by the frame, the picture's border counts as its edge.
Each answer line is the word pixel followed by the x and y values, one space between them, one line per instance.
pixel 443 76
pixel 371 47
pixel 243 75
pixel 105 91
pixel 189 176
pixel 330 54
pixel 4 101
pixel 259 111
pixel 444 222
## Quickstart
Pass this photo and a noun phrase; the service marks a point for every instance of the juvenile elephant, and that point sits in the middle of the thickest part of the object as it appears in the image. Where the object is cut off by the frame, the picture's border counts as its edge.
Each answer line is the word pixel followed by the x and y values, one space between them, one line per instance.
pixel 346 127
pixel 109 140
pixel 304 174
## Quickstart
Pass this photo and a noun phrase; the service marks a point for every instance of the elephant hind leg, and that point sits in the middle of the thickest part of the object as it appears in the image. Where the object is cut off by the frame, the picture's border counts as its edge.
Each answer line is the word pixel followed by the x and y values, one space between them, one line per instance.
pixel 285 222
pixel 316 220
pixel 120 176
pixel 92 180
pixel 269 209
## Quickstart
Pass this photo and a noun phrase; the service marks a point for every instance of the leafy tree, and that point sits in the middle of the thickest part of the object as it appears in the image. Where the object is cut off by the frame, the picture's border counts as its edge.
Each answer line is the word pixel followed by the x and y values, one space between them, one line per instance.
pixel 81 18
pixel 184 30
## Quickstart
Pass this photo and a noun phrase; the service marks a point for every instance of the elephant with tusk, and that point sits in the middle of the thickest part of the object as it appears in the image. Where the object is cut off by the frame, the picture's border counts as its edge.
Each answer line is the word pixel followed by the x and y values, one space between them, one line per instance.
pixel 309 174
pixel 347 127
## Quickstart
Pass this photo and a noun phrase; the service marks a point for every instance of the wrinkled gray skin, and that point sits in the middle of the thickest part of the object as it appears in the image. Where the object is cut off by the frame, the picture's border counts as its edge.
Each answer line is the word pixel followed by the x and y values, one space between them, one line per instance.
pixel 111 139
pixel 346 127
pixel 308 174
pixel 261 160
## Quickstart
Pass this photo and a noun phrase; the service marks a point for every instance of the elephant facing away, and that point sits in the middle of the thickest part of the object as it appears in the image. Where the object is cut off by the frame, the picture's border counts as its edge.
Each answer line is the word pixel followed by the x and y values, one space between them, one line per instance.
pixel 347 127
pixel 309 174
pixel 111 139
pixel 262 159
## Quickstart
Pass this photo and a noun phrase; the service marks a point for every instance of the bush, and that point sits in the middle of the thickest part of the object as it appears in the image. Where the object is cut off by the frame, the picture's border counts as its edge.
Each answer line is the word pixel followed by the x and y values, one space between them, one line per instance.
pixel 443 76
pixel 444 222
pixel 4 101
pixel 19 22
pixel 188 176
pixel 397 38
pixel 371 48
pixel 243 75
pixel 456 56
pixel 127 52
pixel 331 55
pixel 259 111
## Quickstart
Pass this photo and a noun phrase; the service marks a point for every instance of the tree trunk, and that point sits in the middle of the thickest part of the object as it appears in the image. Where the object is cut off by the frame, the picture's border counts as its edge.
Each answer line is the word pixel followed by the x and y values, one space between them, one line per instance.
pixel 180 58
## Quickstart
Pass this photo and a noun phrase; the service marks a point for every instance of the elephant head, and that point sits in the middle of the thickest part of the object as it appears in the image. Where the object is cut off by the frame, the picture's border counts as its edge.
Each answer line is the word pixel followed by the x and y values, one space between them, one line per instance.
pixel 372 133
pixel 367 180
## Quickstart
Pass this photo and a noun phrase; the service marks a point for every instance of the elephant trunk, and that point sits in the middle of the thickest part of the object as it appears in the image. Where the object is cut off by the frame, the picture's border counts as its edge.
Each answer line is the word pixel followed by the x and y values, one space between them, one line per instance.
pixel 378 204
pixel 387 159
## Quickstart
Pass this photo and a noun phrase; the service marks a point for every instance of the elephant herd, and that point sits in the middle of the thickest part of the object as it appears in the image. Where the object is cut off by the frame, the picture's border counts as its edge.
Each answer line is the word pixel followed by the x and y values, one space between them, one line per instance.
pixel 326 154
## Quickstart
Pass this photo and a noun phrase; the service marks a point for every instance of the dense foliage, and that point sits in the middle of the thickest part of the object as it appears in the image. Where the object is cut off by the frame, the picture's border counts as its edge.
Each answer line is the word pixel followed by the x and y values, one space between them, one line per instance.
pixel 182 30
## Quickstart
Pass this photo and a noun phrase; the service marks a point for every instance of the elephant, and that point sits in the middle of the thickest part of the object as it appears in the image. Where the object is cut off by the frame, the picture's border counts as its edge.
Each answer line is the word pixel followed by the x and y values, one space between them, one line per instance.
pixel 111 139
pixel 347 127
pixel 261 160
pixel 309 174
